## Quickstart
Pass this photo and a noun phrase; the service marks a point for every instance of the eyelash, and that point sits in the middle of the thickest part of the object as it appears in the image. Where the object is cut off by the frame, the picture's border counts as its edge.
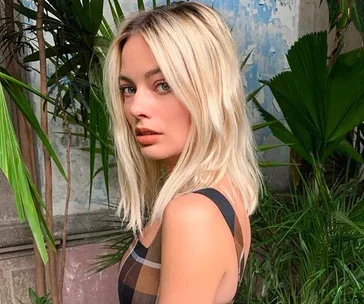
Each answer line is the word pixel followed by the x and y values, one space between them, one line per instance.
pixel 125 87
pixel 162 83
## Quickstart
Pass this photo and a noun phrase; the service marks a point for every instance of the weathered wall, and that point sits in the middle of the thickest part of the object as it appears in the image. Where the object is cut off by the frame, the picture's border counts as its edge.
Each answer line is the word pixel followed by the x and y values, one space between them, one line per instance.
pixel 17 260
pixel 17 275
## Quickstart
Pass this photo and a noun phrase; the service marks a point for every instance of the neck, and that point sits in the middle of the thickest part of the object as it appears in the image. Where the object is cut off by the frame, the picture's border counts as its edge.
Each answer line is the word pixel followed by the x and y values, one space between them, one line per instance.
pixel 170 163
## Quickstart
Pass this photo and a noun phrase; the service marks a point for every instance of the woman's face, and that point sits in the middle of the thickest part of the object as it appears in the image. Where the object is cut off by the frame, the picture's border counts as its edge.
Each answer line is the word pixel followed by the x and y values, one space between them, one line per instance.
pixel 160 122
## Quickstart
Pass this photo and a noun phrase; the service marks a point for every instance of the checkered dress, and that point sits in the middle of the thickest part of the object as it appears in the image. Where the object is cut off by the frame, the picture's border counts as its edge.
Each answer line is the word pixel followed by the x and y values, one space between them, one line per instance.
pixel 140 267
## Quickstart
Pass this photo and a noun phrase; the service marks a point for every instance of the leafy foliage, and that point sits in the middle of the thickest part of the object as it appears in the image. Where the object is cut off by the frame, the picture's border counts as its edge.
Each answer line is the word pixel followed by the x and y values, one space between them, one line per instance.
pixel 116 247
pixel 35 299
pixel 358 16
pixel 320 104
pixel 77 52
pixel 28 202
pixel 308 247
pixel 338 13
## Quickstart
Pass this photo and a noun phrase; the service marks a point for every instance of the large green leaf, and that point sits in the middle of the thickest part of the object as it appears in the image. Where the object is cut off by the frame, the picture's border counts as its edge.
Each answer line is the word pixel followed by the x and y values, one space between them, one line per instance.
pixel 12 87
pixel 282 133
pixel 284 90
pixel 12 165
pixel 346 148
pixel 95 15
pixel 358 16
pixel 307 60
pixel 320 104
pixel 338 12
pixel 345 94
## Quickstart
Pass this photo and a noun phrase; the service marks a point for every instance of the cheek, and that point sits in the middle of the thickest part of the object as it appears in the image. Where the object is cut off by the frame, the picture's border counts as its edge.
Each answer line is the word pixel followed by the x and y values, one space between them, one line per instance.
pixel 182 121
pixel 127 114
pixel 185 117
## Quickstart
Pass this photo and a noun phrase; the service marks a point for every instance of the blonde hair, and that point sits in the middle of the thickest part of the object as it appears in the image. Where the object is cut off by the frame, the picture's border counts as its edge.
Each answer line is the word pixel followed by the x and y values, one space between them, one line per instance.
pixel 196 54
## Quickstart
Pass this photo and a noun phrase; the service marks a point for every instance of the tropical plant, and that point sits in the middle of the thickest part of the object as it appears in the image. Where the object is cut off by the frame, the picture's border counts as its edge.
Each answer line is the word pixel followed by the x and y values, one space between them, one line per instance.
pixel 309 247
pixel 357 15
pixel 320 103
pixel 30 205
pixel 77 53
pixel 35 299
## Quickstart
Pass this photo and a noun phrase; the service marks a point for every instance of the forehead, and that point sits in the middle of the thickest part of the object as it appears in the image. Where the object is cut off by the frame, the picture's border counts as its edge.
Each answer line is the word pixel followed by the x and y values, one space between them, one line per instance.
pixel 137 55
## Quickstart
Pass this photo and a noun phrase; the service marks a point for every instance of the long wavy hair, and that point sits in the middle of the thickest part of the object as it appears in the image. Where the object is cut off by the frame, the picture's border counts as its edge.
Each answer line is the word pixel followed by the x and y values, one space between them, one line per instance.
pixel 198 58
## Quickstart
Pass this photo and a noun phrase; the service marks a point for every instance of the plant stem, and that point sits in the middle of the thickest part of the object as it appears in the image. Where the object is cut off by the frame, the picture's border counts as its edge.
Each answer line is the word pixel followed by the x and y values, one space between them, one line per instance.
pixel 65 216
pixel 47 160
pixel 339 39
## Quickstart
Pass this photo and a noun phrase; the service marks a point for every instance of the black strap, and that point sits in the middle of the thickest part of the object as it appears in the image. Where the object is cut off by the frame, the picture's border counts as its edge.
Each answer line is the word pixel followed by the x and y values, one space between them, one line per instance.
pixel 222 203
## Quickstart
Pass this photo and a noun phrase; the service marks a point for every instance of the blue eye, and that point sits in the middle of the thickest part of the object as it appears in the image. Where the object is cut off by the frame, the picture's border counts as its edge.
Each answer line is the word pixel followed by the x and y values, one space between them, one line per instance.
pixel 163 87
pixel 127 90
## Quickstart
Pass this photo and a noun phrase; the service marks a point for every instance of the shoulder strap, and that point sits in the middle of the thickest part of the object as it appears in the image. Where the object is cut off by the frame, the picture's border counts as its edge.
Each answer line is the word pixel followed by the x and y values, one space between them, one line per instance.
pixel 222 203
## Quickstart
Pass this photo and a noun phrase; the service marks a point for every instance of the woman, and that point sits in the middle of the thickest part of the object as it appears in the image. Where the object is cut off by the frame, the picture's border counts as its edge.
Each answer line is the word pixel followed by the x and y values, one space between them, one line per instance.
pixel 187 168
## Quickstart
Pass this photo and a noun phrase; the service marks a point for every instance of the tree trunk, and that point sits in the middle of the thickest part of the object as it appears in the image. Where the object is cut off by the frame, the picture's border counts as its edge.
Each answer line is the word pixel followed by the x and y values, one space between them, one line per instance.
pixel 52 267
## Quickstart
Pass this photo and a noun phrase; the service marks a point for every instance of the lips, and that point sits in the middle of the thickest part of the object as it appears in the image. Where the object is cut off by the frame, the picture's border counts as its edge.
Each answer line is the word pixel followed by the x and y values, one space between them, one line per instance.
pixel 145 131
pixel 146 137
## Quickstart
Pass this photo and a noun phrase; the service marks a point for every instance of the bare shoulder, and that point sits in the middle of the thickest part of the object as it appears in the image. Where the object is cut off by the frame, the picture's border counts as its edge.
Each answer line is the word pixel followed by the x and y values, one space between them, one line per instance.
pixel 195 220
pixel 190 210
pixel 194 239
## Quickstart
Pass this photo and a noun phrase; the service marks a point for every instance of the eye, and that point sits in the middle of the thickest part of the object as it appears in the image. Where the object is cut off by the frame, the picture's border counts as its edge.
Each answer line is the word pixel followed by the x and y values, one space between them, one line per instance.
pixel 127 90
pixel 163 87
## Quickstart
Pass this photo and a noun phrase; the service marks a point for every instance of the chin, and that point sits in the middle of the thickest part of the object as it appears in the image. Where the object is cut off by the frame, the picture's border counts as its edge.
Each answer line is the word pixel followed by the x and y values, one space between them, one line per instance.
pixel 154 153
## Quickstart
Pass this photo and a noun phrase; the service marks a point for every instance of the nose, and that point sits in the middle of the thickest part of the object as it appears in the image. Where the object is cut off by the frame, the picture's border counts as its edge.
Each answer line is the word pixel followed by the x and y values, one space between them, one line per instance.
pixel 140 107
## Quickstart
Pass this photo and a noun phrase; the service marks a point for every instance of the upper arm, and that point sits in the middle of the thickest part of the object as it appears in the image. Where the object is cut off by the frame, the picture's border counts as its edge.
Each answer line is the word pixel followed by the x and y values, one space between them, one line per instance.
pixel 193 250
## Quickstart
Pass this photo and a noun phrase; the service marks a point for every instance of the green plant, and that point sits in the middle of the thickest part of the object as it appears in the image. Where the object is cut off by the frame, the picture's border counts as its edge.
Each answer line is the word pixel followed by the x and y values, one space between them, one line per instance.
pixel 35 299
pixel 308 247
pixel 358 16
pixel 77 52
pixel 320 103
pixel 116 246
pixel 28 201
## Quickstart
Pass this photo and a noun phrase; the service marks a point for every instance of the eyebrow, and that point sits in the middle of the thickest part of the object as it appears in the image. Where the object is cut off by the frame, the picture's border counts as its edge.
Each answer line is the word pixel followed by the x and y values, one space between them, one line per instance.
pixel 146 75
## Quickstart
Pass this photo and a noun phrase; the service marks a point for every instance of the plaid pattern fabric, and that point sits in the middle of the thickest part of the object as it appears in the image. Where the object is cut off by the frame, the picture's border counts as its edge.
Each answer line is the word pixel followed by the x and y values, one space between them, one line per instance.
pixel 140 267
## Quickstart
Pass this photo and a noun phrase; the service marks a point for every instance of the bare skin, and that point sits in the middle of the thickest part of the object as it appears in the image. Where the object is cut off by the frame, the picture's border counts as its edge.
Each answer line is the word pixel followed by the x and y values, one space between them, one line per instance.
pixel 194 233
